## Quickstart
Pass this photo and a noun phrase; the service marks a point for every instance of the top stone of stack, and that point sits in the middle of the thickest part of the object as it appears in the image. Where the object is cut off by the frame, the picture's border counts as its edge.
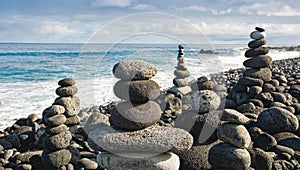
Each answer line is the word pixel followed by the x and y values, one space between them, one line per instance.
pixel 134 70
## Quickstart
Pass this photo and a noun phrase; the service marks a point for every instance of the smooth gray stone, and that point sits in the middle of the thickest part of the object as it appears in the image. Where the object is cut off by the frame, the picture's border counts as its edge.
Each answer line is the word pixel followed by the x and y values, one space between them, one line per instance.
pixel 134 70
pixel 257 43
pixel 130 116
pixel 164 161
pixel 249 81
pixel 234 116
pixel 253 52
pixel 234 134
pixel 181 73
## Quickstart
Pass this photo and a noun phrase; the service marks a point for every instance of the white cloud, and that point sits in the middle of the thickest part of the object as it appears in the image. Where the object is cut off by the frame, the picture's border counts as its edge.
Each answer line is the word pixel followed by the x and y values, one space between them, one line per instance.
pixel 144 7
pixel 271 8
pixel 203 9
pixel 112 3
pixel 53 28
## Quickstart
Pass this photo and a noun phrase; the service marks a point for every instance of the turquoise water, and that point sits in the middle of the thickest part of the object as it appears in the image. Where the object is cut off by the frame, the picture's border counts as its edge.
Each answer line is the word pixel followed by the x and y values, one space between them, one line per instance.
pixel 29 72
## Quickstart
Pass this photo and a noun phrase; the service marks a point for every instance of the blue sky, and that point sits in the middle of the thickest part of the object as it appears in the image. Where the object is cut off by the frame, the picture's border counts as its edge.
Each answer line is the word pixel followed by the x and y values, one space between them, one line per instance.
pixel 221 21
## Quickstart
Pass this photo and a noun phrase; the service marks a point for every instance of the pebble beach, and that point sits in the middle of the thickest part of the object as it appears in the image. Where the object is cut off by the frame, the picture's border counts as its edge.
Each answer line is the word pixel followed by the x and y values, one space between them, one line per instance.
pixel 243 118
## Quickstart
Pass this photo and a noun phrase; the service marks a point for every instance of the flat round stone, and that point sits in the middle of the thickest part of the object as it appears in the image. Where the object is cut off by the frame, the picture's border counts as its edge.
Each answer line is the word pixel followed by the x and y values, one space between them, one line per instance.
pixel 256 43
pixel 131 116
pixel 181 73
pixel 139 91
pixel 165 161
pixel 257 35
pixel 134 70
pixel 154 139
pixel 258 61
pixel 66 91
pixel 55 120
pixel 253 52
pixel 66 82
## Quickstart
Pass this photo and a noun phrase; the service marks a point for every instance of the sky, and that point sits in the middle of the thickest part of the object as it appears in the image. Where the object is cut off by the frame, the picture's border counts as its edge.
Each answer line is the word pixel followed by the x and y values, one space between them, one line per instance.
pixel 110 21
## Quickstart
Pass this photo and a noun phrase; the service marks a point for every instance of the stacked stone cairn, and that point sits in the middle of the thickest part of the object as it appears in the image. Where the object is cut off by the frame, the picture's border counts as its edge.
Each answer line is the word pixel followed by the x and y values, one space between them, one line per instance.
pixel 57 151
pixel 71 103
pixel 258 125
pixel 134 140
pixel 178 97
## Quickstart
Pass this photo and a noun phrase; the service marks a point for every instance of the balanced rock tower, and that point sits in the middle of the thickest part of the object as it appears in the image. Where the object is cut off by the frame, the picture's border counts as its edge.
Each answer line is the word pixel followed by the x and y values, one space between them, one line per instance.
pixel 181 71
pixel 256 82
pixel 177 98
pixel 57 152
pixel 71 103
pixel 134 140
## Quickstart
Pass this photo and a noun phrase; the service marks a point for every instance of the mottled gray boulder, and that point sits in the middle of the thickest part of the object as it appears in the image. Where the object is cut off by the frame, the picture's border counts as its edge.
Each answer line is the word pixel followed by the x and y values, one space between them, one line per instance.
pixel 264 74
pixel 234 134
pixel 226 156
pixel 66 91
pixel 258 61
pixel 127 115
pixel 164 161
pixel 56 130
pixel 56 159
pixel 139 91
pixel 59 141
pixel 134 70
pixel 234 116
pixel 154 139
pixel 205 101
pixel 275 120
pixel 96 120
pixel 66 82
pixel 196 157
pixel 71 105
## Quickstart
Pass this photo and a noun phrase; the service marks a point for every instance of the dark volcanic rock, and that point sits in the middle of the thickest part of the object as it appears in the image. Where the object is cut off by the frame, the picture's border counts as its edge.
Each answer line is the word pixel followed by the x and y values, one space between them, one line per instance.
pixel 66 91
pixel 253 52
pixel 256 43
pixel 258 61
pixel 139 91
pixel 66 82
pixel 239 157
pixel 264 74
pixel 264 141
pixel 54 160
pixel 275 120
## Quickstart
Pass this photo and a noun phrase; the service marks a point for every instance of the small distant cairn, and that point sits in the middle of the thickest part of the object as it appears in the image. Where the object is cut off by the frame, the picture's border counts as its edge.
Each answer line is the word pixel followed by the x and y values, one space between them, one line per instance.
pixel 71 103
pixel 57 153
pixel 181 71
pixel 177 98
pixel 134 140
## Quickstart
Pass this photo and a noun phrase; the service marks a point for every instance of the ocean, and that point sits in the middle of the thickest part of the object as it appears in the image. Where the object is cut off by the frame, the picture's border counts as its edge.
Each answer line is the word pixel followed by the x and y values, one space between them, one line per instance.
pixel 29 72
